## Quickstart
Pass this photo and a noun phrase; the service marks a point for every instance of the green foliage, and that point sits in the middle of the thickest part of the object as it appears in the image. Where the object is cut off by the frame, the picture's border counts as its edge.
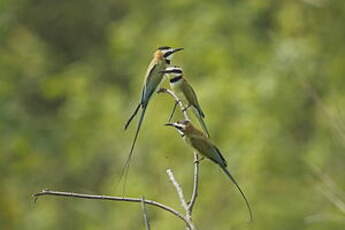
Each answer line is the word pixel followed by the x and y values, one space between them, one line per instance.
pixel 270 78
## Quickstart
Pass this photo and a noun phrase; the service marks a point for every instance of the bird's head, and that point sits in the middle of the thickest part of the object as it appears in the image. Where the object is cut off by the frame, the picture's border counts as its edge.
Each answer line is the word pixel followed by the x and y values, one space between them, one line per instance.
pixel 167 52
pixel 174 71
pixel 182 126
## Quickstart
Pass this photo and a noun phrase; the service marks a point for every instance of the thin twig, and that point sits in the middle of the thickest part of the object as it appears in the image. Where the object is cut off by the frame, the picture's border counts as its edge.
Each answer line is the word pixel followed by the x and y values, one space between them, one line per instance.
pixel 194 196
pixel 335 120
pixel 329 188
pixel 328 181
pixel 181 196
pixel 196 159
pixel 146 217
pixel 333 198
pixel 322 217
pixel 116 198
pixel 195 183
pixel 177 100
pixel 179 191
pixel 173 111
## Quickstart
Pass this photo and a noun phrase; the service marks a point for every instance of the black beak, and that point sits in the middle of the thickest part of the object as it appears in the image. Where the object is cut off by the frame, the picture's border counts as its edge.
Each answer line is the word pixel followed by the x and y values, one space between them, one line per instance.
pixel 167 54
pixel 175 125
pixel 179 128
pixel 170 124
pixel 177 49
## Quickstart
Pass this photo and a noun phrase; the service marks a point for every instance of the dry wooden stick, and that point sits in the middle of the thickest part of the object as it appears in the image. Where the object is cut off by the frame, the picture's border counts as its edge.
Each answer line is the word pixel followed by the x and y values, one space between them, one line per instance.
pixel 146 217
pixel 181 197
pixel 47 192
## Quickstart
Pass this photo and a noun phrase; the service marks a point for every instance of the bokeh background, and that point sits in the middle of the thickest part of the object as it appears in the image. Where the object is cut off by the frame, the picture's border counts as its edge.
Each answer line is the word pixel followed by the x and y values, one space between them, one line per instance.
pixel 270 76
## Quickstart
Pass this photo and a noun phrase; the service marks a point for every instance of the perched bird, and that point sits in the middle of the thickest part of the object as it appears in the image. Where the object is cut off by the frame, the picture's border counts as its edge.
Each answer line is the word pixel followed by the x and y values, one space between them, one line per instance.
pixel 161 59
pixel 186 93
pixel 199 142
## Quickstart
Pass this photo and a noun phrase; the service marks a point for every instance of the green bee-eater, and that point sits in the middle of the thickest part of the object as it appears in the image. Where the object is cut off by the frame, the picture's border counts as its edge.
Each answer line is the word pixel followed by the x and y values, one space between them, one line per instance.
pixel 186 93
pixel 203 145
pixel 161 59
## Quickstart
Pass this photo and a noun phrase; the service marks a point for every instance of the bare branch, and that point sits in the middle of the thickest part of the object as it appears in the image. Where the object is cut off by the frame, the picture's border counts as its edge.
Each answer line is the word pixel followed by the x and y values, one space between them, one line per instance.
pixel 116 198
pixel 177 100
pixel 322 217
pixel 333 198
pixel 173 111
pixel 329 188
pixel 181 196
pixel 191 203
pixel 179 190
pixel 195 183
pixel 188 207
pixel 146 218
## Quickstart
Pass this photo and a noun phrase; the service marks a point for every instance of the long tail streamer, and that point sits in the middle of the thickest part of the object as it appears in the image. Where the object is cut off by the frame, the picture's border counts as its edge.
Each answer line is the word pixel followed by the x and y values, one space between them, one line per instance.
pixel 125 169
pixel 239 188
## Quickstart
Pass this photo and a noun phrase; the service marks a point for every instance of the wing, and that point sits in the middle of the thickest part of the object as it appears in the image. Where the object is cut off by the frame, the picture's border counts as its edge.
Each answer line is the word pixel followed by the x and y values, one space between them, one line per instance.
pixel 201 121
pixel 191 97
pixel 224 163
pixel 206 148
pixel 152 80
pixel 149 73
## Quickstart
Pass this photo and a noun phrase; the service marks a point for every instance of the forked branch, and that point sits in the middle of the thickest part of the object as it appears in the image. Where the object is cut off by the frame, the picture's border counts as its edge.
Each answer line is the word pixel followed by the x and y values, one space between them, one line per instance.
pixel 196 156
pixel 47 192
pixel 177 101
pixel 195 183
pixel 187 206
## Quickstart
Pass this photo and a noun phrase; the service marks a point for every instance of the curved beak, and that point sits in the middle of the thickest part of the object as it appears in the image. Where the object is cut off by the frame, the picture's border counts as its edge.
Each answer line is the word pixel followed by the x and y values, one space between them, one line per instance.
pixel 175 125
pixel 170 124
pixel 176 50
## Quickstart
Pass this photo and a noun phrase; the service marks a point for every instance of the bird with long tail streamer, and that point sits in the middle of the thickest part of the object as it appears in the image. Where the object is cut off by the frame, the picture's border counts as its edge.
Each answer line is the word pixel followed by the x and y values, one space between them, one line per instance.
pixel 161 59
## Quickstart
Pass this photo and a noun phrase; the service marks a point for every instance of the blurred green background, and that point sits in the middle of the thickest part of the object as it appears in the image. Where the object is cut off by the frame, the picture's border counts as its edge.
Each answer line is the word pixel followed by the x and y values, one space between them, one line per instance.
pixel 270 76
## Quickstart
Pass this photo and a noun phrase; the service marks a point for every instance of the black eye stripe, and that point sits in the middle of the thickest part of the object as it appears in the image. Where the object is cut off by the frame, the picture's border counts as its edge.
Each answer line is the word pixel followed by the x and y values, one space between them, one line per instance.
pixel 167 54
pixel 176 71
pixel 175 79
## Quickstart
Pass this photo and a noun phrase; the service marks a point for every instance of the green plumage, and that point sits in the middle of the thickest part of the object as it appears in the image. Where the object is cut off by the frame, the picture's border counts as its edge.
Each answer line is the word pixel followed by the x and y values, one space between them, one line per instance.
pixel 153 78
pixel 204 146
pixel 186 93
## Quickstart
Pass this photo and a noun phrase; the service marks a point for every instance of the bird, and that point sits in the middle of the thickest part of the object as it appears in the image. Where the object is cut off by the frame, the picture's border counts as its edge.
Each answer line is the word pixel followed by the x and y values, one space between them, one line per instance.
pixel 204 146
pixel 184 91
pixel 153 77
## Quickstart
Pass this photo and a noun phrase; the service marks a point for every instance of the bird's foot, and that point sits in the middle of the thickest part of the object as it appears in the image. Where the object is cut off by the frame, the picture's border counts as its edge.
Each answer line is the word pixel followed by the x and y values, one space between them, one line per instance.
pixel 198 160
